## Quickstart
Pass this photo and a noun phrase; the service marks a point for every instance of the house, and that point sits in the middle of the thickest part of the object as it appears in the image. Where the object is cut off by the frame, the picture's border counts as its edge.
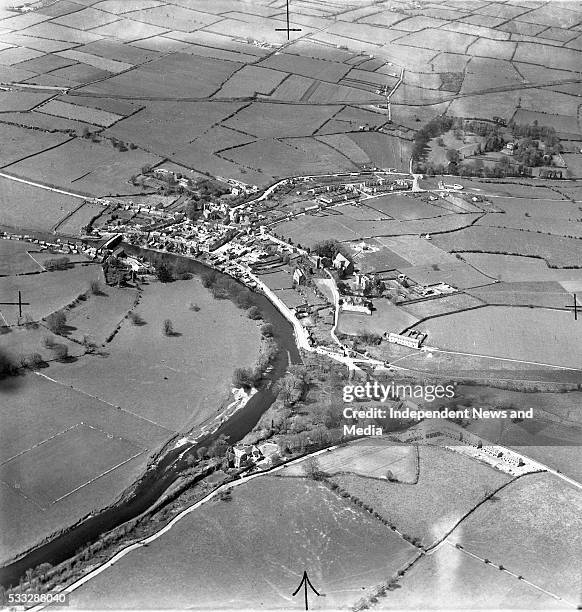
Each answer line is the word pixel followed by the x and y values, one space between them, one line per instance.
pixel 342 263
pixel 299 277
pixel 363 282
pixel 245 453
pixel 356 303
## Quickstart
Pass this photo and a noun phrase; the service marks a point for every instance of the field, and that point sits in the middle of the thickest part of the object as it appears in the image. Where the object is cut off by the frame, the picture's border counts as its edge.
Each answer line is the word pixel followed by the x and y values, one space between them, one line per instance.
pixel 14 258
pixel 175 72
pixel 443 305
pixel 371 457
pixel 515 268
pixel 79 113
pixel 74 224
pixel 459 275
pixel 385 318
pixel 289 157
pixel 97 316
pixel 519 530
pixel 556 250
pixel 98 169
pixel 307 66
pixel 35 416
pixel 305 230
pixel 430 508
pixel 505 331
pixel 542 294
pixel 95 451
pixel 371 256
pixel 46 292
pixel 167 126
pixel 276 522
pixel 452 579
pixel 18 143
pixel 176 382
pixel 403 207
pixel 250 80
pixel 280 120
pixel 384 151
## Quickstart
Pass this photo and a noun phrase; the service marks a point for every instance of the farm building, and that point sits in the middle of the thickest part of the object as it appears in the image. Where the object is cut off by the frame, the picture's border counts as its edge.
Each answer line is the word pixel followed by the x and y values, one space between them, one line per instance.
pixel 342 263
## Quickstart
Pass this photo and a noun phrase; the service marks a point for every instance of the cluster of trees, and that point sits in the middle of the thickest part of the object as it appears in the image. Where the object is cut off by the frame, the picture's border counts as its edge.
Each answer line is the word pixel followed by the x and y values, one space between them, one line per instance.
pixel 224 288
pixel 293 387
pixel 329 249
pixel 476 167
pixel 59 263
pixel 435 127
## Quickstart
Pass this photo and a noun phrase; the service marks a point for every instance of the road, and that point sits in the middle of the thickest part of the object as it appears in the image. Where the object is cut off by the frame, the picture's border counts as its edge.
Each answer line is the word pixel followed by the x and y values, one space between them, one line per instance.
pixel 72 194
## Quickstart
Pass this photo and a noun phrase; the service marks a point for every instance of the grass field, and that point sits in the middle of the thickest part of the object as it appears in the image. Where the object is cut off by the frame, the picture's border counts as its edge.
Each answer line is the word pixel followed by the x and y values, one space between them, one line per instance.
pixel 443 305
pixel 515 268
pixel 370 457
pixel 305 230
pixel 93 168
pixel 542 294
pixel 431 507
pixel 283 526
pixel 250 80
pixel 28 207
pixel 557 251
pixel 14 258
pixel 278 120
pixel 167 126
pixel 174 72
pixel 385 318
pixel 403 207
pixel 95 452
pixel 459 275
pixel 178 381
pixel 46 292
pixel 451 579
pixel 520 532
pixel 79 113
pixel 35 414
pixel 509 332
pixel 18 143
pixel 307 66
pixel 99 314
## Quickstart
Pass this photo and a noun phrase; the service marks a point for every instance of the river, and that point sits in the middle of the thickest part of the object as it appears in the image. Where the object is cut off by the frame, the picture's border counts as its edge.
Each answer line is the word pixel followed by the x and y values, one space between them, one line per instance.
pixel 155 481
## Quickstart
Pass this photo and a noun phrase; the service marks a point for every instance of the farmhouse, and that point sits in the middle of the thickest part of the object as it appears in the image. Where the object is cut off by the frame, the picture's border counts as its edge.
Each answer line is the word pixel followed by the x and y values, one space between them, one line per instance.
pixel 245 453
pixel 342 263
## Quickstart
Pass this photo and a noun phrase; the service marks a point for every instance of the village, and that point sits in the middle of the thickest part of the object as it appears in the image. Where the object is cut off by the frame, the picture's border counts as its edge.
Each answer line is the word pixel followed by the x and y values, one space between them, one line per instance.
pixel 312 287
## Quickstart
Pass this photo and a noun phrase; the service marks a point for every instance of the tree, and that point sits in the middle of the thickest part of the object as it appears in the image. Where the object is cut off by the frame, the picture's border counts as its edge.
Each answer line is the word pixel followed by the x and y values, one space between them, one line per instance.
pixel 313 470
pixel 61 351
pixel 327 248
pixel 168 328
pixel 56 322
pixel 453 156
pixel 146 168
pixel 254 313
pixel 95 287
pixel 243 378
pixel 193 211
pixel 267 330
pixel 8 366
pixel 163 273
